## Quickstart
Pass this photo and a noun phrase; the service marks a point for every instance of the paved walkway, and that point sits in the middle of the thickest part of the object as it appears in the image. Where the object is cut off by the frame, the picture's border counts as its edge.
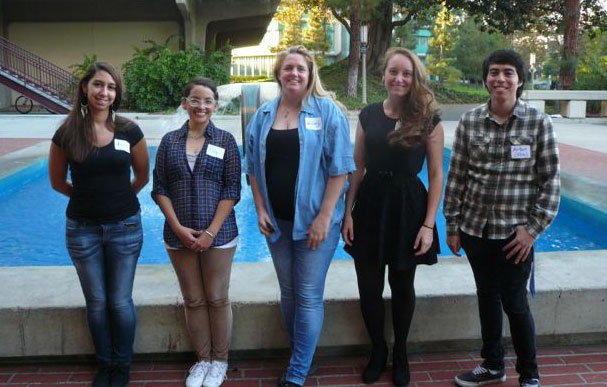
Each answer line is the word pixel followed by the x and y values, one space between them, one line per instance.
pixel 562 366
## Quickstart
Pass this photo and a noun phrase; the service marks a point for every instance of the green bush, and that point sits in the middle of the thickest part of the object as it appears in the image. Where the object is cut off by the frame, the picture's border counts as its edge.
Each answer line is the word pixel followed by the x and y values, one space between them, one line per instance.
pixel 79 69
pixel 250 78
pixel 155 76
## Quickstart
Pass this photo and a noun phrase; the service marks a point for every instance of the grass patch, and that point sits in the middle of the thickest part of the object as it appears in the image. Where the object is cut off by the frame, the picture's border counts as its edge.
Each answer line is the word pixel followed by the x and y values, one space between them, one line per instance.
pixel 334 78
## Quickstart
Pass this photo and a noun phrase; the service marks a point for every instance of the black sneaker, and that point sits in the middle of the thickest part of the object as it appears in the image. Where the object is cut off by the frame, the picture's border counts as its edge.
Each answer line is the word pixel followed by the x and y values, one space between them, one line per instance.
pixel 480 376
pixel 120 376
pixel 531 383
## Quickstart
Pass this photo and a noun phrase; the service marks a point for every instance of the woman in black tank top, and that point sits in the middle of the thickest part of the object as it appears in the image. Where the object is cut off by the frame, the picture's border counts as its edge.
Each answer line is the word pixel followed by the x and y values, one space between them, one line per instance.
pixel 390 218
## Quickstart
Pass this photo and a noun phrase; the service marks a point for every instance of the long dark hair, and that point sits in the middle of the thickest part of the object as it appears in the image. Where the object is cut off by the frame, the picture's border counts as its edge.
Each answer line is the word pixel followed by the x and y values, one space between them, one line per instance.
pixel 76 132
pixel 419 106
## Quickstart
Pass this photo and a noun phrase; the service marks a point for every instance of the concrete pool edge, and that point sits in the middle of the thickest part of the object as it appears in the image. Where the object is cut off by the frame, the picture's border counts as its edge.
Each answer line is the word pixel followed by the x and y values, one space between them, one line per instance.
pixel 42 308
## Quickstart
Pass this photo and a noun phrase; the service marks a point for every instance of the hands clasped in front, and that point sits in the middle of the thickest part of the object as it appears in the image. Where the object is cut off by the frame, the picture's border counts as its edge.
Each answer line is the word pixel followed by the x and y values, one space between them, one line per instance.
pixel 194 240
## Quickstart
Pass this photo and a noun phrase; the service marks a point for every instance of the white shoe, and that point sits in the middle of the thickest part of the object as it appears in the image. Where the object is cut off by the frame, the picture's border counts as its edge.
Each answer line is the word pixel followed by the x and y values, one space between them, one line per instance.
pixel 216 374
pixel 197 374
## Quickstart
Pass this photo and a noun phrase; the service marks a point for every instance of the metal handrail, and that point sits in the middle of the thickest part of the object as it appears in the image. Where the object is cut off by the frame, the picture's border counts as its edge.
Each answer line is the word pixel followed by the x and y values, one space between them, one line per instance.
pixel 37 71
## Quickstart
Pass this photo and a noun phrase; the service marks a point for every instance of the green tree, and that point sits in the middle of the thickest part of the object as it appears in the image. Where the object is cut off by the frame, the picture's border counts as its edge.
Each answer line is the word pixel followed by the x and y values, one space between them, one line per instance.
pixel 289 14
pixel 315 36
pixel 404 36
pixel 568 17
pixel 441 42
pixel 592 69
pixel 471 47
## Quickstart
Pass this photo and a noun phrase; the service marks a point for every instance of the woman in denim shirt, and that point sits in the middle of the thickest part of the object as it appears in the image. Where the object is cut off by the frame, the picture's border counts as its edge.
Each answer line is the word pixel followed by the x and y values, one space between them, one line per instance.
pixel 298 156
pixel 196 185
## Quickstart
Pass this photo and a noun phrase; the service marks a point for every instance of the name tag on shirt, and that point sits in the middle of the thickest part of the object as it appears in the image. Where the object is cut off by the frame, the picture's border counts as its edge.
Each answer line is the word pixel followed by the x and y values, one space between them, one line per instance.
pixel 122 145
pixel 313 123
pixel 215 151
pixel 520 151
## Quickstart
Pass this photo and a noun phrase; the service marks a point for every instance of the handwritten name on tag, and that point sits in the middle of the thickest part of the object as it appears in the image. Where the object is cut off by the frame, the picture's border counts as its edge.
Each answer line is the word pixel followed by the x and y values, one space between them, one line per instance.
pixel 313 123
pixel 122 145
pixel 520 151
pixel 215 151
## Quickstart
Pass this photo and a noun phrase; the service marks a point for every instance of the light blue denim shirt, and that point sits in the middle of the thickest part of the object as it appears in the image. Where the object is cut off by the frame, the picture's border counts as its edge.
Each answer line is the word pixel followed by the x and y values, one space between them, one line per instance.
pixel 325 150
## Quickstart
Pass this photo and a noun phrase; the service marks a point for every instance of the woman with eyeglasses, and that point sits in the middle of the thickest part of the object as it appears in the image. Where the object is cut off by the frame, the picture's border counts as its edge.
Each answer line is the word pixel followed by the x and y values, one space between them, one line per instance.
pixel 196 185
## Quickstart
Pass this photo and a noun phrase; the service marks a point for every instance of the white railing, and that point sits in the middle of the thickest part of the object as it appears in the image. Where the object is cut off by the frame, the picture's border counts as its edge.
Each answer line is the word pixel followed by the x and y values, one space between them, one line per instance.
pixel 253 64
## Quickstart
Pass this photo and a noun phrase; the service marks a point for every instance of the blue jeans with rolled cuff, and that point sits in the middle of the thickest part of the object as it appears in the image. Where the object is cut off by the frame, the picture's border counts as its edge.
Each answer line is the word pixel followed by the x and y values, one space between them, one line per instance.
pixel 105 257
pixel 301 275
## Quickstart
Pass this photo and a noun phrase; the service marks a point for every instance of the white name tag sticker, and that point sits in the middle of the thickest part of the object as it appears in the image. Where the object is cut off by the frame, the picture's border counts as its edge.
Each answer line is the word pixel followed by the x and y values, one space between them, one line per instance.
pixel 520 151
pixel 215 151
pixel 122 145
pixel 313 123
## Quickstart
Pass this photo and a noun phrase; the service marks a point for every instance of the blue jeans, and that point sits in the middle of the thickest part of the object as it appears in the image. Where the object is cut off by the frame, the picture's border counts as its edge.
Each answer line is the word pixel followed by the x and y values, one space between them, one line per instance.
pixel 105 257
pixel 301 274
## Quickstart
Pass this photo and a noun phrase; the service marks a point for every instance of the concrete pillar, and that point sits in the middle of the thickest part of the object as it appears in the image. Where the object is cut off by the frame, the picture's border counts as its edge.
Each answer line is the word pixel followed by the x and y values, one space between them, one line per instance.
pixel 189 14
pixel 573 109
pixel 538 104
pixel 603 108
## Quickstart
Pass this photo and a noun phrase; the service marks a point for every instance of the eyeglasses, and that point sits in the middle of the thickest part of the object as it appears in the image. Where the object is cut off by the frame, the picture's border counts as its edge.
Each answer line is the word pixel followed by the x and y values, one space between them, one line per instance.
pixel 193 102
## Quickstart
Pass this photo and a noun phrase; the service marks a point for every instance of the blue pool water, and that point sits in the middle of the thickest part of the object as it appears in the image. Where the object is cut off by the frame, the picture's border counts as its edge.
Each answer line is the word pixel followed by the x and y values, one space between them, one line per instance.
pixel 33 222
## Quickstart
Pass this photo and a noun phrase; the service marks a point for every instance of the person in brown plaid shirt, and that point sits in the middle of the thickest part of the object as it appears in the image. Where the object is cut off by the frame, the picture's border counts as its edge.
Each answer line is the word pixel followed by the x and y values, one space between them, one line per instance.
pixel 502 191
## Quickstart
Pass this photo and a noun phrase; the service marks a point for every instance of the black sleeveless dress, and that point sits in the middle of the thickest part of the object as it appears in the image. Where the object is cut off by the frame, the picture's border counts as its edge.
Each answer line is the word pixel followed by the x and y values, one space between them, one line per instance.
pixel 390 206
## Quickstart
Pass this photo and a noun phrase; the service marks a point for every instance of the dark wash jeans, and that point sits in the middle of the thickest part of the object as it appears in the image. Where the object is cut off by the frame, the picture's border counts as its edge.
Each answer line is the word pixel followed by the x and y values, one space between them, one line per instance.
pixel 105 257
pixel 502 284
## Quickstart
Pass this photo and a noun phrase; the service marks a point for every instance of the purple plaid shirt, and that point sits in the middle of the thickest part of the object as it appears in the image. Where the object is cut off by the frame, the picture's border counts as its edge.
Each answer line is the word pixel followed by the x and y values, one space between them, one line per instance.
pixel 195 194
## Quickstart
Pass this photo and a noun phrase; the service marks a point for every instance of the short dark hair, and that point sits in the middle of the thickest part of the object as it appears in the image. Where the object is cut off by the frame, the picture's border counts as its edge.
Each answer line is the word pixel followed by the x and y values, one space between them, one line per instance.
pixel 509 57
pixel 200 81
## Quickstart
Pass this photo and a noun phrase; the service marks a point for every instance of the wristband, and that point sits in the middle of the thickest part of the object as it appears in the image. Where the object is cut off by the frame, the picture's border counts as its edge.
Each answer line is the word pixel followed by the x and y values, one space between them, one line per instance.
pixel 431 228
pixel 209 234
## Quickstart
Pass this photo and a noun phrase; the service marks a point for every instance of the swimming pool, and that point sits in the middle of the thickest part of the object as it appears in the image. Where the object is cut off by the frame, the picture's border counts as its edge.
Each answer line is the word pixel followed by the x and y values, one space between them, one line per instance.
pixel 33 222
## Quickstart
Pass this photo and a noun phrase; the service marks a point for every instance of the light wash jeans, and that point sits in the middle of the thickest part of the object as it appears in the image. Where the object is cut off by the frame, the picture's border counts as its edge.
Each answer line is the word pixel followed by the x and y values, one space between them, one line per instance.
pixel 301 274
pixel 105 257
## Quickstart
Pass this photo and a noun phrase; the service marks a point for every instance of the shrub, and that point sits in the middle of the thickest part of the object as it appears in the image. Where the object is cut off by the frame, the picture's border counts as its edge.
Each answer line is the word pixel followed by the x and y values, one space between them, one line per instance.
pixel 250 78
pixel 155 76
pixel 79 69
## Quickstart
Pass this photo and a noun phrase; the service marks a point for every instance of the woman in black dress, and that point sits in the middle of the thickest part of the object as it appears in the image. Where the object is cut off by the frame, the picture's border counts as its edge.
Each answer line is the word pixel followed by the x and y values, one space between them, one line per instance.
pixel 390 218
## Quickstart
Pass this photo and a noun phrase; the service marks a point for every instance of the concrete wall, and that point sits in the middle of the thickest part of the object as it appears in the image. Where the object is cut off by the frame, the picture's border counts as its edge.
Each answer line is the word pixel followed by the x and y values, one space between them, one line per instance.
pixel 5 92
pixel 42 308
pixel 67 43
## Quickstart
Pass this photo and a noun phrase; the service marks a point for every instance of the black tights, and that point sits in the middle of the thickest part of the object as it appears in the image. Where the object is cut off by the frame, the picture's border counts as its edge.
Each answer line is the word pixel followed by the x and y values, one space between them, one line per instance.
pixel 370 277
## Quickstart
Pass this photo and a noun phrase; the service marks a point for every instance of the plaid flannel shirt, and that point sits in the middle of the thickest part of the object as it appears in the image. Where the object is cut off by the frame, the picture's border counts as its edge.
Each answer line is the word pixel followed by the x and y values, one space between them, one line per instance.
pixel 196 194
pixel 489 191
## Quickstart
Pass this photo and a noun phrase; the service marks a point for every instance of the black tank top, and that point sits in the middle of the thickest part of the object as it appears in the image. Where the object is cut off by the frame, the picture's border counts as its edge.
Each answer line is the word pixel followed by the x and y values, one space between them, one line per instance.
pixel 282 164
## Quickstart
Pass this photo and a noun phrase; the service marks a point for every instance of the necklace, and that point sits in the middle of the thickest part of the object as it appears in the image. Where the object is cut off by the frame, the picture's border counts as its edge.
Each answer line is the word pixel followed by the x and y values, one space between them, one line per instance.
pixel 195 137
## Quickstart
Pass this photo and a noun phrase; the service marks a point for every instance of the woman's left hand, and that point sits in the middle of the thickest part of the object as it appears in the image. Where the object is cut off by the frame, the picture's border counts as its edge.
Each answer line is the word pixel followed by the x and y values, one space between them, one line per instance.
pixel 318 231
pixel 423 240
pixel 203 242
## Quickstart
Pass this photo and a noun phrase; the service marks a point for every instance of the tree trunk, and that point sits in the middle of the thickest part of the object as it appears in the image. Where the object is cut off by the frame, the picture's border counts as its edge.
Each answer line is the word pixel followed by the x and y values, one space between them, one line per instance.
pixel 571 39
pixel 354 58
pixel 380 36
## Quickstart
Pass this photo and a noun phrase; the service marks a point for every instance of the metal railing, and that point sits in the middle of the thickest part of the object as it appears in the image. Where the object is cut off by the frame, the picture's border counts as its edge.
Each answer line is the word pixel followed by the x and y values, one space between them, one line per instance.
pixel 35 71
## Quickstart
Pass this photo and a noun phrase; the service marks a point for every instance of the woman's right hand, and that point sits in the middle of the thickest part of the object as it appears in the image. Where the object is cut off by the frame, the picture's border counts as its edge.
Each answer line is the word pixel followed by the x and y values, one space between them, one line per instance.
pixel 347 229
pixel 187 236
pixel 264 223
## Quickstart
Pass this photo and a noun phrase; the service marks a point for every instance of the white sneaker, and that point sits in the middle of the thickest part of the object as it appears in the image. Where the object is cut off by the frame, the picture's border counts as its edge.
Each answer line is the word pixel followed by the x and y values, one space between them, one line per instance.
pixel 197 374
pixel 216 374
